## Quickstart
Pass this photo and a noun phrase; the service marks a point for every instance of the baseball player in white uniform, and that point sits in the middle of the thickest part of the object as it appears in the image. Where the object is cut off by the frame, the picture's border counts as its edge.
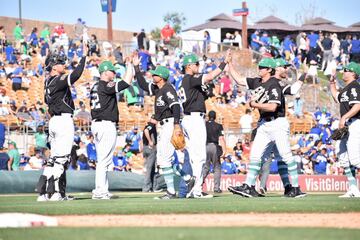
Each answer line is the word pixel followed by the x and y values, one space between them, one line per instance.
pixel 105 115
pixel 272 127
pixel 52 183
pixel 349 146
pixel 192 96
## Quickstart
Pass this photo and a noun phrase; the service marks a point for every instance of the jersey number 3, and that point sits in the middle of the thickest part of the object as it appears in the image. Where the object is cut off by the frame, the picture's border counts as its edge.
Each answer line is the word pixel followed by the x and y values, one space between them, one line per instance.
pixel 94 101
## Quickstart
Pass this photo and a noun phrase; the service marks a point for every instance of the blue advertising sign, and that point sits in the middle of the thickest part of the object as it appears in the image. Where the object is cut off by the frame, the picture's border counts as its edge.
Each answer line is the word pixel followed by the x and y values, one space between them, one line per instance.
pixel 104 5
pixel 241 12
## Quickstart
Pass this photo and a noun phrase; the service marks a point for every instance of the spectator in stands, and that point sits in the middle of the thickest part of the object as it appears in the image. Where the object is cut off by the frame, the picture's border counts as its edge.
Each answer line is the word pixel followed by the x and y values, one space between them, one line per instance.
pixel 145 59
pixel 118 54
pixel 246 149
pixel 90 148
pixel 33 38
pixel 3 109
pixel 83 115
pixel 327 53
pixel 13 107
pixel 345 45
pixel 36 162
pixel 265 39
pixel 355 50
pixel 78 29
pixel 313 46
pixel 238 148
pixel 227 166
pixel 132 96
pixel 152 47
pixel 2 70
pixel 18 34
pixel 9 52
pixel 4 160
pixel 298 106
pixel 44 48
pixel 3 98
pixel 133 138
pixel 225 86
pixel 237 39
pixel 255 41
pixel 326 133
pixel 2 39
pixel 17 77
pixel 14 157
pixel 167 33
pixel 41 138
pixel 2 135
pixel 324 118
pixel 206 42
pixel 246 123
pixel 228 40
pixel 93 46
pixel 45 33
pixel 335 49
pixel 141 39
pixel 289 47
pixel 320 160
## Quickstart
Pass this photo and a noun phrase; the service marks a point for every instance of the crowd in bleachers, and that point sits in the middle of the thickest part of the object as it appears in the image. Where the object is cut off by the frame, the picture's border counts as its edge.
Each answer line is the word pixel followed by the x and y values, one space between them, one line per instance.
pixel 22 64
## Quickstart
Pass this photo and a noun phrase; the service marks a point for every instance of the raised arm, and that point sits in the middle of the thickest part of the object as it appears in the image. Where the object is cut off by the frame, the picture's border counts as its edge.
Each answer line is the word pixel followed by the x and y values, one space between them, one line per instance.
pixel 333 89
pixel 213 74
pixel 236 76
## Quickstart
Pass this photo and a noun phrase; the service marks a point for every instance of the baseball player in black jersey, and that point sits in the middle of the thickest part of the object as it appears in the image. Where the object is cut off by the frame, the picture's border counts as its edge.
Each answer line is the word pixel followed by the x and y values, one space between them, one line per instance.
pixel 349 146
pixel 272 127
pixel 192 96
pixel 105 115
pixel 52 182
pixel 167 114
pixel 214 137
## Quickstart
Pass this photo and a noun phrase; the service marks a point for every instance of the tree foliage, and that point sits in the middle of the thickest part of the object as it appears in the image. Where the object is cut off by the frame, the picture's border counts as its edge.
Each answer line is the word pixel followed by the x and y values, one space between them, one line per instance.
pixel 176 20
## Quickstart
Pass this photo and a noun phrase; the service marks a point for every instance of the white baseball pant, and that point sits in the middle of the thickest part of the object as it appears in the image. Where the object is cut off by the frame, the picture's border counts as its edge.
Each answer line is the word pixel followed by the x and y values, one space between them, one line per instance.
pixel 105 140
pixel 349 147
pixel 165 150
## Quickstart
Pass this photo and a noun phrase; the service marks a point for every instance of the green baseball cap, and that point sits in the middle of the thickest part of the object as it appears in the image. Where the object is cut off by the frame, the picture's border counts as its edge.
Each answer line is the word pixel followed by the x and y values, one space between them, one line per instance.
pixel 12 143
pixel 161 71
pixel 106 66
pixel 353 67
pixel 190 59
pixel 267 62
pixel 280 62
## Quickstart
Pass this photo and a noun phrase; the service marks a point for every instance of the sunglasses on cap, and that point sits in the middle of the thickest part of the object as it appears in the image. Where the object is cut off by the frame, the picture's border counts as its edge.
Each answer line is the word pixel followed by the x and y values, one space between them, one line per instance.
pixel 196 64
pixel 261 67
pixel 347 70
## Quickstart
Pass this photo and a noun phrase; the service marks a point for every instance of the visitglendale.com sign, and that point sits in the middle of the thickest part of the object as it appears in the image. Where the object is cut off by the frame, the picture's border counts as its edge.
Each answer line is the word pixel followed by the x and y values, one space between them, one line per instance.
pixel 316 183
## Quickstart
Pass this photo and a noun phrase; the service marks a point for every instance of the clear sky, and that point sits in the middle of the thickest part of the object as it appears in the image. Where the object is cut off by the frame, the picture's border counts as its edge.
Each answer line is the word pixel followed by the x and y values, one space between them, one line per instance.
pixel 148 14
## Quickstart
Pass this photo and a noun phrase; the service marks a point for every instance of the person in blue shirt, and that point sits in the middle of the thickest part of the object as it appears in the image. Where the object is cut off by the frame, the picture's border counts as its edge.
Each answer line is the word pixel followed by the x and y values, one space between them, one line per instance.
pixel 145 59
pixel 44 50
pixel 288 46
pixel 313 44
pixel 355 50
pixel 320 160
pixel 255 41
pixel 17 77
pixel 79 51
pixel 133 138
pixel 227 166
pixel 9 52
pixel 71 52
pixel 325 134
pixel 33 40
pixel 83 163
pixel 265 39
pixel 2 135
pixel 90 148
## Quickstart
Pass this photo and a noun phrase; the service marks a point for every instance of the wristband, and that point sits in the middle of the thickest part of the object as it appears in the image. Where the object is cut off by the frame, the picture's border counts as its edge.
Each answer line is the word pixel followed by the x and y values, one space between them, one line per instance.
pixel 222 66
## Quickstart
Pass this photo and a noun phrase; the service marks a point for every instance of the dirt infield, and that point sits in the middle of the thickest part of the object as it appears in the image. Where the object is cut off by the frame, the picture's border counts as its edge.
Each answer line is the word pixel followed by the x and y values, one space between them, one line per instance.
pixel 332 220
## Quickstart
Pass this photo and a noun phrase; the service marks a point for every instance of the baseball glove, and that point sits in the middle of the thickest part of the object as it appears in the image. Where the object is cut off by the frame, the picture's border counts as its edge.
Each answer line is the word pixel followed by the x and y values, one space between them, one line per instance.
pixel 340 133
pixel 178 138
pixel 258 95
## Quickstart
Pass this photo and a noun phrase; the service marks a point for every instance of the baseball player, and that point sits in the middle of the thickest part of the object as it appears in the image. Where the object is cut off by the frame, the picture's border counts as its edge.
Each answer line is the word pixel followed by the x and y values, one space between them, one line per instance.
pixel 193 99
pixel 349 147
pixel 272 127
pixel 52 183
pixel 105 115
pixel 215 135
pixel 167 114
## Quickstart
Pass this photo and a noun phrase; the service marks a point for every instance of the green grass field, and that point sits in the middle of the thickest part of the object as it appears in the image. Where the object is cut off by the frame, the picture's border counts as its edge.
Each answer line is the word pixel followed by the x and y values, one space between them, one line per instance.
pixel 139 203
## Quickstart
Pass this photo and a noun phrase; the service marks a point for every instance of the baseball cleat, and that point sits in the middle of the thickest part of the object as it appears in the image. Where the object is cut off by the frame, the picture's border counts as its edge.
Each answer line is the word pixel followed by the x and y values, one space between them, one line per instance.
pixel 201 195
pixel 167 196
pixel 190 183
pixel 295 192
pixel 42 198
pixel 56 197
pixel 255 193
pixel 105 196
pixel 287 189
pixel 353 192
pixel 243 190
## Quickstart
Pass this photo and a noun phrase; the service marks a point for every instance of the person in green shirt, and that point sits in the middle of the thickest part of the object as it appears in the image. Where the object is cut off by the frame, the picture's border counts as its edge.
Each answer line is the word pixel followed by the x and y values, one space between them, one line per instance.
pixel 131 95
pixel 45 33
pixel 41 138
pixel 14 155
pixel 18 35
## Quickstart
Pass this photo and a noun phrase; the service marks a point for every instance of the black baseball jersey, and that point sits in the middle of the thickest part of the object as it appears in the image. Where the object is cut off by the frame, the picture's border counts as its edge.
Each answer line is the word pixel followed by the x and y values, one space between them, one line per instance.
pixel 349 96
pixel 165 97
pixel 213 131
pixel 273 93
pixel 193 94
pixel 103 102
pixel 152 133
pixel 57 91
pixel 254 83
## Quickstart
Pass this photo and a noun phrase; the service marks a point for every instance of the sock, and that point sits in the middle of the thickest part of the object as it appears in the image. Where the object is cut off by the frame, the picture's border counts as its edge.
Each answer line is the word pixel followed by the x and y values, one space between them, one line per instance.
pixel 283 172
pixel 168 174
pixel 254 169
pixel 292 168
pixel 350 176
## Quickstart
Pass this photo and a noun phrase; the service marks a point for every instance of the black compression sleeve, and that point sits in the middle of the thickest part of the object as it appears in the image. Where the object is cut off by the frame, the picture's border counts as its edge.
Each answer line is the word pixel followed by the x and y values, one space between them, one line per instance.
pixel 176 112
pixel 76 74
pixel 222 66
pixel 140 79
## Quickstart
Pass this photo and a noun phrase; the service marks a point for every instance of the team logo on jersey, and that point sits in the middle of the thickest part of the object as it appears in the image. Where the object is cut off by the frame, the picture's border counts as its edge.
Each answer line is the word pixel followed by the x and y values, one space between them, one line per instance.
pixel 170 95
pixel 353 92
pixel 275 93
pixel 110 84
pixel 344 97
pixel 160 102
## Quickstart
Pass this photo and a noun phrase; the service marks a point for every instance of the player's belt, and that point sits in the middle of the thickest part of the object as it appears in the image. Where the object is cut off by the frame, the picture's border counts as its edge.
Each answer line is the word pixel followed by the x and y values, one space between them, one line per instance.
pixel 62 114
pixel 267 119
pixel 166 120
pixel 201 114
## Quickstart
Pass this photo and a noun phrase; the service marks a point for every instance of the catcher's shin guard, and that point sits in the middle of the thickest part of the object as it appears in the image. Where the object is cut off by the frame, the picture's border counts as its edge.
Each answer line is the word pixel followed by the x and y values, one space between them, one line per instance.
pixel 51 186
pixel 41 185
